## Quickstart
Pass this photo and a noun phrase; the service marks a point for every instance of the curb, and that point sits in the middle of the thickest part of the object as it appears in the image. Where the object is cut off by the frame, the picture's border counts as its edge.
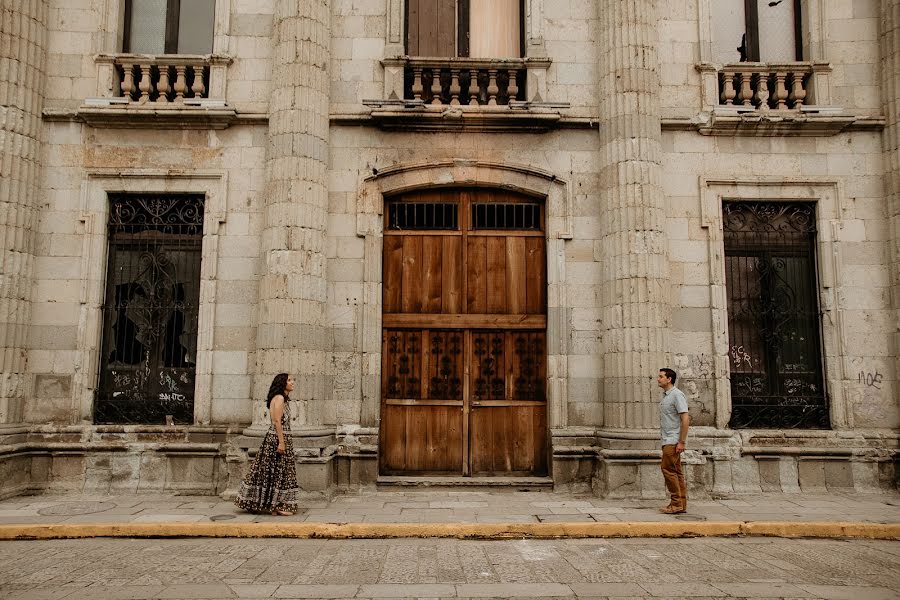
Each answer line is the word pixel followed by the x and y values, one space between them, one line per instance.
pixel 477 531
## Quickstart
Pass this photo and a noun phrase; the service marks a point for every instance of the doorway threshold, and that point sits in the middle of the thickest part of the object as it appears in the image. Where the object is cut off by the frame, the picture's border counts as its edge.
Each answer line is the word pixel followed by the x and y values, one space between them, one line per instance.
pixel 517 483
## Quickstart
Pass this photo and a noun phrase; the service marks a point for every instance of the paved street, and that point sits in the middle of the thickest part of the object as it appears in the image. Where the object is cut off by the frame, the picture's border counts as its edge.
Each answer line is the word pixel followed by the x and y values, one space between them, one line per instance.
pixel 106 569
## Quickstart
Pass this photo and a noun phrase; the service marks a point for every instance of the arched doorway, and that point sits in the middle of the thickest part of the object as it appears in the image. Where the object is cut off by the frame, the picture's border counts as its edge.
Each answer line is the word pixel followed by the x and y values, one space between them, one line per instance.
pixel 463 387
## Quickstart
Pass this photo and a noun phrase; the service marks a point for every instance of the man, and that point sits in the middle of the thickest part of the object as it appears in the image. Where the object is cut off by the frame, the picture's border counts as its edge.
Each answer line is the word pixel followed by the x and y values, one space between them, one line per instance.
pixel 673 426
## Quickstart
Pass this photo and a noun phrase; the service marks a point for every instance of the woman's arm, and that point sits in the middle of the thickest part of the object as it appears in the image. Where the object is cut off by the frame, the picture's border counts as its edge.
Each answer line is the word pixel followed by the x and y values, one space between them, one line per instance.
pixel 276 410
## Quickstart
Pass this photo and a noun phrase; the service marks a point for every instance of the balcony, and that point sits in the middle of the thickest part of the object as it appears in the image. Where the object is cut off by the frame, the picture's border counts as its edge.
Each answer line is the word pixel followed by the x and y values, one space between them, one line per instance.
pixel 454 93
pixel 174 90
pixel 769 99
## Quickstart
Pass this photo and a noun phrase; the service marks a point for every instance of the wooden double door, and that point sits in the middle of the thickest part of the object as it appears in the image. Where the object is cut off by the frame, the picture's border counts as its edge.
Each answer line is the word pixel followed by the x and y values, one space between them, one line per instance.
pixel 464 347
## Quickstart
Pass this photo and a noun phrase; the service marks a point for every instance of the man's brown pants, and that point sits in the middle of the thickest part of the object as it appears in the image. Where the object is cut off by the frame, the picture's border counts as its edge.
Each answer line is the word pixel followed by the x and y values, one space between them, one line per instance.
pixel 674 476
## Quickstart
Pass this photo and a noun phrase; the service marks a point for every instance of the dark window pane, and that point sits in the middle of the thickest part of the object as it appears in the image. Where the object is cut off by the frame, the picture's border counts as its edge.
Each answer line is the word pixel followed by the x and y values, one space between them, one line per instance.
pixel 195 26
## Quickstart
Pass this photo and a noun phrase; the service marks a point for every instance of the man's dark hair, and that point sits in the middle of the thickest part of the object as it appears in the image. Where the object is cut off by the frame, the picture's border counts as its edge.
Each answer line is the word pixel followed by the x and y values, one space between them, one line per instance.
pixel 670 374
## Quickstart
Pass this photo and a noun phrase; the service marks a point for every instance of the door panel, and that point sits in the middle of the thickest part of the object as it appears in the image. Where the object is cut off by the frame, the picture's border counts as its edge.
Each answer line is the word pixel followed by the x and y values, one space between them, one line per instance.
pixel 464 357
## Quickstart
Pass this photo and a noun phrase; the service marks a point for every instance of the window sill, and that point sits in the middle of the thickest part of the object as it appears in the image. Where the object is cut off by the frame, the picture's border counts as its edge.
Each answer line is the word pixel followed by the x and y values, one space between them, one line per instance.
pixel 416 116
pixel 810 121
pixel 117 113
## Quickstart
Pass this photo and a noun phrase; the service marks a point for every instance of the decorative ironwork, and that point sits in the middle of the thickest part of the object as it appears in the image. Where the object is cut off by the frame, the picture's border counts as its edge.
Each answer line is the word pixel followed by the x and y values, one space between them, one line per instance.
pixel 528 372
pixel 501 215
pixel 151 310
pixel 404 361
pixel 446 353
pixel 774 352
pixel 490 370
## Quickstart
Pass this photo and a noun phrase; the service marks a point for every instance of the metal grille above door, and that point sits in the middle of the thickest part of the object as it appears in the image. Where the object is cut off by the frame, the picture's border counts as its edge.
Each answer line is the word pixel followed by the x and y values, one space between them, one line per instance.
pixel 149 348
pixel 773 316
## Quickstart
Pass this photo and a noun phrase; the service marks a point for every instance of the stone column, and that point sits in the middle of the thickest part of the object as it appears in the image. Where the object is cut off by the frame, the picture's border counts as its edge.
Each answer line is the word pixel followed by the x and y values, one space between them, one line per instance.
pixel 291 336
pixel 890 101
pixel 634 300
pixel 23 26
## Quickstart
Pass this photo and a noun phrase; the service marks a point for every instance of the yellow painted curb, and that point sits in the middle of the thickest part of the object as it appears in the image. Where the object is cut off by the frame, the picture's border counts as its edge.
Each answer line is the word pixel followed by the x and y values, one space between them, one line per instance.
pixel 482 531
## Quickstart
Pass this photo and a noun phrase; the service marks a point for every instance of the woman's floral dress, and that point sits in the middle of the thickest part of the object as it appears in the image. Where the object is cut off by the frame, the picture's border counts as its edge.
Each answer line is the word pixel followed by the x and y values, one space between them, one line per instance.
pixel 271 483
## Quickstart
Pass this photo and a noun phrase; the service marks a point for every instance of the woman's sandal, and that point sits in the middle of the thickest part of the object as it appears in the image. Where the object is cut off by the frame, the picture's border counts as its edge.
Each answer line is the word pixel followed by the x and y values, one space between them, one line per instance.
pixel 283 513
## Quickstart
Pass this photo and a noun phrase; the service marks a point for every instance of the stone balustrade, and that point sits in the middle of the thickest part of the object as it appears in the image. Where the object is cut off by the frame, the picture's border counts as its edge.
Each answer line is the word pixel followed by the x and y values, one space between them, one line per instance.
pixel 464 81
pixel 170 78
pixel 765 86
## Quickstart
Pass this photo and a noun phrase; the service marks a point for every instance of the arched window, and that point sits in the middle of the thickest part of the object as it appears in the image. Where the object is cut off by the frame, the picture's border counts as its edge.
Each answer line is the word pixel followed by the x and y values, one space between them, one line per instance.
pixel 169 26
pixel 475 28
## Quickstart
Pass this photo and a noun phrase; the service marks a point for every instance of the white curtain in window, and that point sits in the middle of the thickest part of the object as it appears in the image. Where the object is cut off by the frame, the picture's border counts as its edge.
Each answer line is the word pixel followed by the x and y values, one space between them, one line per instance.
pixel 494 29
pixel 777 42
pixel 728 25
pixel 148 27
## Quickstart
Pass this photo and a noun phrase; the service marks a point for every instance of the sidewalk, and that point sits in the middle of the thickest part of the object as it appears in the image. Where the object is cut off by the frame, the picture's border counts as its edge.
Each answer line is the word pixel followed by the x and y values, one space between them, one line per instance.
pixel 458 513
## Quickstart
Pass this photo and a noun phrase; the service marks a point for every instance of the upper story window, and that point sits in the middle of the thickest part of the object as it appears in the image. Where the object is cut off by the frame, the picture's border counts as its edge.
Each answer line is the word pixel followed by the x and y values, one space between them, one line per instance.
pixel 474 28
pixel 169 26
pixel 756 31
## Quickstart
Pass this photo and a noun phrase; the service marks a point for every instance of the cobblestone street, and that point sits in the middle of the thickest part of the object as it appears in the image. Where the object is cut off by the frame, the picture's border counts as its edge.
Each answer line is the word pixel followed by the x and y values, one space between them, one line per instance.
pixel 107 569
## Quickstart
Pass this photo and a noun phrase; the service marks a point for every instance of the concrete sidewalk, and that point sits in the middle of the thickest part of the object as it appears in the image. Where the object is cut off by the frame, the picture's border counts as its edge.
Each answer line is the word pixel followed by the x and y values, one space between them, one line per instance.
pixel 459 512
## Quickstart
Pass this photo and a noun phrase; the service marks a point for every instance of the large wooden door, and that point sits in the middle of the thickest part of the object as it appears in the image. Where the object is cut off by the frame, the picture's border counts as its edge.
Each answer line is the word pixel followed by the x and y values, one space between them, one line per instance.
pixel 464 338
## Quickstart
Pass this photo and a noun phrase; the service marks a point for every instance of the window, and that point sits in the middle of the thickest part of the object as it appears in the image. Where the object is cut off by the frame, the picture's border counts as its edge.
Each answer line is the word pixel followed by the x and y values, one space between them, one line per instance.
pixel 149 348
pixel 169 26
pixel 475 28
pixel 756 31
pixel 773 317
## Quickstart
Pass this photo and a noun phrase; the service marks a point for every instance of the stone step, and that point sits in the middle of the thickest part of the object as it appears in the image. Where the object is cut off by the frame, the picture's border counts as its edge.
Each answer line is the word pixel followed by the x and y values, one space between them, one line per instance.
pixel 432 482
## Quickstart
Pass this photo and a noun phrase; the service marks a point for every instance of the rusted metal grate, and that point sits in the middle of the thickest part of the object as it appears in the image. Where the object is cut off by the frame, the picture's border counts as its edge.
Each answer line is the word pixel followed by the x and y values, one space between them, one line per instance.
pixel 149 348
pixel 773 325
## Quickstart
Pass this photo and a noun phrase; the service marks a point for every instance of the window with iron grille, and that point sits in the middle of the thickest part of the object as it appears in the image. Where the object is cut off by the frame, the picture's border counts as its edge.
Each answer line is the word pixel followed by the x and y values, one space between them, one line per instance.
pixel 150 313
pixel 168 26
pixel 774 348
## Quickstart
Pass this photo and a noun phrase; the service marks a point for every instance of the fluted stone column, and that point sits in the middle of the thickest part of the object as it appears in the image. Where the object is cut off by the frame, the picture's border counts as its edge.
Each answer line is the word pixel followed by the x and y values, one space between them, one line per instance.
pixel 23 26
pixel 890 98
pixel 291 335
pixel 634 300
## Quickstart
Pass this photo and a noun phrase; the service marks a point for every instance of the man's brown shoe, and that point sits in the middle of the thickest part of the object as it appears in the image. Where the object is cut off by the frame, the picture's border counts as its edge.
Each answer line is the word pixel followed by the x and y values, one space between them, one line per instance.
pixel 672 510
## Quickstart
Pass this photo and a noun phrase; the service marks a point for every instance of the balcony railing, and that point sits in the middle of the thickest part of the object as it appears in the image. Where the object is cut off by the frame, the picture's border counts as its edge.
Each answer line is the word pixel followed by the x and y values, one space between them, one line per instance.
pixel 171 78
pixel 753 86
pixel 457 82
pixel 765 86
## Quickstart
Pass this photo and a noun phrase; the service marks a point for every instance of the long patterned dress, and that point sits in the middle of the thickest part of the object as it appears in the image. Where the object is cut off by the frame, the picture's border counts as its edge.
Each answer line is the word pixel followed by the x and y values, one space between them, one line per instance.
pixel 271 483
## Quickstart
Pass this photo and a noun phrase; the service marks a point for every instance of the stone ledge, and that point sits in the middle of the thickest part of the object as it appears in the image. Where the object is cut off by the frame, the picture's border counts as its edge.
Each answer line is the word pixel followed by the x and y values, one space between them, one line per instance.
pixel 810 121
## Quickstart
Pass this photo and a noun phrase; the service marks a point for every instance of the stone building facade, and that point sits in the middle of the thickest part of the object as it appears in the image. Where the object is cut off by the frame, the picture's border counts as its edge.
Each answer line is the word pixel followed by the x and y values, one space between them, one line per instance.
pixel 196 197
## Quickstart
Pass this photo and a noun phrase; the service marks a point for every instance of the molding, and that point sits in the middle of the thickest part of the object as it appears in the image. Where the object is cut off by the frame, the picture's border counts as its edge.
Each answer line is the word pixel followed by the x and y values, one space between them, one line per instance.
pixel 94 216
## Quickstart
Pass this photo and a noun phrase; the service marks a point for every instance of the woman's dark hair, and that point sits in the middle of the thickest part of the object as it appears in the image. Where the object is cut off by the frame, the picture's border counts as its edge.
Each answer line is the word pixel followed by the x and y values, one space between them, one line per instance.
pixel 277 388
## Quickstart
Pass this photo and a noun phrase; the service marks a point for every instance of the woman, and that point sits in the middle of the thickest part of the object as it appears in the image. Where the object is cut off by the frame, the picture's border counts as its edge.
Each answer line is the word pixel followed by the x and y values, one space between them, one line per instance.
pixel 271 485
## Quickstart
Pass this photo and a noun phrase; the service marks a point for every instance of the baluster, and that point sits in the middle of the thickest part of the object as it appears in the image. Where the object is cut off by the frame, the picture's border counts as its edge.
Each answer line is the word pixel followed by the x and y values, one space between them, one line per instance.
pixel 746 90
pixel 728 91
pixel 162 86
pixel 144 85
pixel 199 86
pixel 762 91
pixel 454 86
pixel 435 85
pixel 798 94
pixel 417 87
pixel 474 90
pixel 180 82
pixel 128 81
pixel 781 93
pixel 492 89
pixel 512 89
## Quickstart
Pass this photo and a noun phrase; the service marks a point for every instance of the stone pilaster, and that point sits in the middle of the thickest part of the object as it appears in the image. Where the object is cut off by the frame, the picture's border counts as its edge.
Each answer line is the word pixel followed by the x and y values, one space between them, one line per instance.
pixel 890 101
pixel 291 335
pixel 634 286
pixel 23 26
